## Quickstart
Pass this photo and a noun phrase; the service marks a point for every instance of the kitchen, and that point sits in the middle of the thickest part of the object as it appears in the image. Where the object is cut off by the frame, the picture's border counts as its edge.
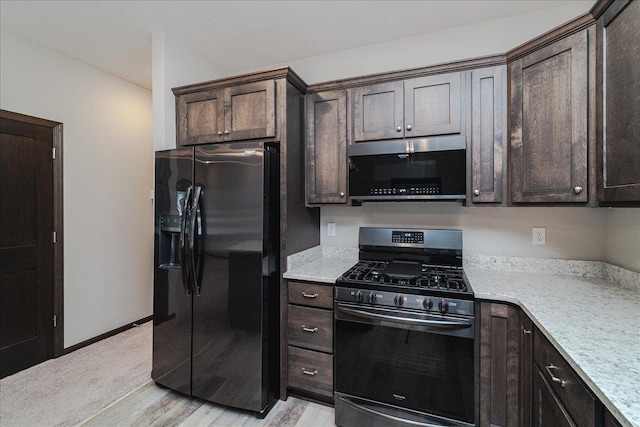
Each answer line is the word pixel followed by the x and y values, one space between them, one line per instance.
pixel 572 233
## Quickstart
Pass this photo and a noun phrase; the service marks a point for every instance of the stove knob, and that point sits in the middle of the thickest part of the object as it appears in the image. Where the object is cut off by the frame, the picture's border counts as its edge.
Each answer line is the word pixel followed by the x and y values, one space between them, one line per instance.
pixel 427 304
pixel 443 306
pixel 398 300
pixel 358 296
pixel 371 297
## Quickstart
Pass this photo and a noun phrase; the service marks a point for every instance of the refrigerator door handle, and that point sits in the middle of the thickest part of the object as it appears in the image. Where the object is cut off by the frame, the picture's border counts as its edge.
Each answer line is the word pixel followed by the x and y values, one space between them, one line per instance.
pixel 183 247
pixel 194 221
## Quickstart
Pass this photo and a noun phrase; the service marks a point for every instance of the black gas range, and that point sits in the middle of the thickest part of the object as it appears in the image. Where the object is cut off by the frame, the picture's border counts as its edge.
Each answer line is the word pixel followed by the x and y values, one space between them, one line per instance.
pixel 404 332
pixel 415 269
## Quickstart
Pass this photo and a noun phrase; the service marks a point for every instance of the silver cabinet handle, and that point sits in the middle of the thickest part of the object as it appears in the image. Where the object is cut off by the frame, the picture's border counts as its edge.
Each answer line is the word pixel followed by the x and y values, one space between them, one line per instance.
pixel 577 189
pixel 555 379
pixel 312 330
pixel 526 332
pixel 312 373
pixel 219 132
pixel 399 129
pixel 226 132
pixel 306 295
pixel 409 127
pixel 342 194
pixel 476 192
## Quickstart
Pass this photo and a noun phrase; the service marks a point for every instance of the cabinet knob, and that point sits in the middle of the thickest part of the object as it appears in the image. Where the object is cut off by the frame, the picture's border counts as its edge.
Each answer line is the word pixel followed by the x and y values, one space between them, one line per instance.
pixel 476 192
pixel 577 189
pixel 226 132
pixel 342 194
pixel 409 127
pixel 399 129
pixel 219 132
pixel 526 332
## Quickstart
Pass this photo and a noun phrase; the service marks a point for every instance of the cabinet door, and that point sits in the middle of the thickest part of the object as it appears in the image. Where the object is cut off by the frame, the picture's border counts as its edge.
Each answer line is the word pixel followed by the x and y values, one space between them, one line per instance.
pixel 326 147
pixel 526 368
pixel 250 111
pixel 499 365
pixel 378 112
pixel 488 134
pixel 619 149
pixel 548 410
pixel 200 117
pixel 432 105
pixel 549 126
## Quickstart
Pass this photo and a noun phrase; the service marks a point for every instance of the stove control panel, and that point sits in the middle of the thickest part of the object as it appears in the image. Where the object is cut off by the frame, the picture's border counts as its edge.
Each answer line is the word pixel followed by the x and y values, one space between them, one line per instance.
pixel 417 302
pixel 407 237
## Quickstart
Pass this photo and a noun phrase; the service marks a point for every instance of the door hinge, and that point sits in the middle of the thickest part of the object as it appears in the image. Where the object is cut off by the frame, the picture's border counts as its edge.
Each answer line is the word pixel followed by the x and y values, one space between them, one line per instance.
pixel 55 237
pixel 53 154
pixel 55 321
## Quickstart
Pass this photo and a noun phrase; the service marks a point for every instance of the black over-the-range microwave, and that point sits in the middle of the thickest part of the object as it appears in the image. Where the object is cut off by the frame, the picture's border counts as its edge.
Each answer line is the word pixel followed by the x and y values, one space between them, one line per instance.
pixel 417 169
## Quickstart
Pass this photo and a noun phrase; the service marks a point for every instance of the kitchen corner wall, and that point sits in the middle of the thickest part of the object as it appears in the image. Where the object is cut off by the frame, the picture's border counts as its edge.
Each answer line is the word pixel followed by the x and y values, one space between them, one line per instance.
pixel 108 247
pixel 173 64
pixel 594 234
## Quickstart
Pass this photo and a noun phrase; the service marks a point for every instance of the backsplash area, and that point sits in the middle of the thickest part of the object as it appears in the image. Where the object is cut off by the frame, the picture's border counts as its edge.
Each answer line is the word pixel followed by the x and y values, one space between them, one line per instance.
pixel 572 233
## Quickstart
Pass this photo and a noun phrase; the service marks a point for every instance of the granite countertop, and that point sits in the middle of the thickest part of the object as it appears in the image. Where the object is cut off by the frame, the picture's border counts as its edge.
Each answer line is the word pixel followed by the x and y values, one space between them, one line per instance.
pixel 592 317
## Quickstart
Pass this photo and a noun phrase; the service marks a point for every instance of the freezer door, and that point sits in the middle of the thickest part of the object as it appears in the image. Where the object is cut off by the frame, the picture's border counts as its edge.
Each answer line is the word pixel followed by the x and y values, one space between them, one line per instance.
pixel 172 302
pixel 228 312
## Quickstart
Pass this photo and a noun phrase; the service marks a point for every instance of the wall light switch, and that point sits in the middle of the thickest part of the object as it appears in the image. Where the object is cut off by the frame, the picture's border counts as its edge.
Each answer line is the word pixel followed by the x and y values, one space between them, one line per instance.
pixel 331 229
pixel 539 236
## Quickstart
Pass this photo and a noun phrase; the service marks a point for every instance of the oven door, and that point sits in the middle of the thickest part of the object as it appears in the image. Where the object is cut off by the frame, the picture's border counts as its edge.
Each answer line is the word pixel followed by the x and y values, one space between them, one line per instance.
pixel 387 360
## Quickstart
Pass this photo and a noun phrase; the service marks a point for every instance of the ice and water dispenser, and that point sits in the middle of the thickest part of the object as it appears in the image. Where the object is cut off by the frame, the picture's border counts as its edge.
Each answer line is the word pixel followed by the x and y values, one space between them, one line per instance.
pixel 170 226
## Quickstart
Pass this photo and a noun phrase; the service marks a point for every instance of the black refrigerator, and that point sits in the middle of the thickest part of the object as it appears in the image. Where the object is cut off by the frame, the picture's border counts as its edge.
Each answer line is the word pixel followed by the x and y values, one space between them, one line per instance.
pixel 216 297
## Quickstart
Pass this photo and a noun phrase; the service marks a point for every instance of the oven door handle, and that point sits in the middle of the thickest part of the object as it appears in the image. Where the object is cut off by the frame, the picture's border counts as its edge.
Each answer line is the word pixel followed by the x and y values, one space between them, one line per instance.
pixel 442 324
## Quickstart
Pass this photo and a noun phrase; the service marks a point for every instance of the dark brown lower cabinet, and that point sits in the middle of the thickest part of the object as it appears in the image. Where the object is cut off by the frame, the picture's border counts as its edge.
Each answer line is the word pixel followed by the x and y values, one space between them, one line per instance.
pixel 499 365
pixel 526 368
pixel 310 340
pixel 547 408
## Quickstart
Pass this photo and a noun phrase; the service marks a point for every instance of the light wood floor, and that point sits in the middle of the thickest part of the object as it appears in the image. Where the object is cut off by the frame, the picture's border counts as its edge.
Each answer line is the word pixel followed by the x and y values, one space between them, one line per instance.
pixel 153 406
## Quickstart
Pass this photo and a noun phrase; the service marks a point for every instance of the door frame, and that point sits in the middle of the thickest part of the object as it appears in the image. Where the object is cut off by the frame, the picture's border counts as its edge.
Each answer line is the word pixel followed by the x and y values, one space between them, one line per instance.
pixel 58 202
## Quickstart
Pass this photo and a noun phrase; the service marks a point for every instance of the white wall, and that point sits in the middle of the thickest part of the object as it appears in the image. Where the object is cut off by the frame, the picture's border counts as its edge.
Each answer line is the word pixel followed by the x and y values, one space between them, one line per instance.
pixel 173 65
pixel 486 230
pixel 623 238
pixel 108 221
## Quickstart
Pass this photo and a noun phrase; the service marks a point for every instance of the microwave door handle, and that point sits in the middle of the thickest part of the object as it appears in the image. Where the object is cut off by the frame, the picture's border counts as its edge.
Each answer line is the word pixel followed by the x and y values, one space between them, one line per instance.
pixel 442 324
pixel 183 247
pixel 195 286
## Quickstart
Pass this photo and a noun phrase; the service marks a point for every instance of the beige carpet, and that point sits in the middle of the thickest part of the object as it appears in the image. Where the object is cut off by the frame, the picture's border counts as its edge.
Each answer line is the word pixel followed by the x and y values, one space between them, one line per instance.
pixel 74 387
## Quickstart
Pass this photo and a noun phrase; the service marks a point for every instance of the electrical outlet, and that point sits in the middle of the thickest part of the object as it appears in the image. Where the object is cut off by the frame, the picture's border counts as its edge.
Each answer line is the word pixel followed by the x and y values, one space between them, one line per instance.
pixel 331 229
pixel 539 236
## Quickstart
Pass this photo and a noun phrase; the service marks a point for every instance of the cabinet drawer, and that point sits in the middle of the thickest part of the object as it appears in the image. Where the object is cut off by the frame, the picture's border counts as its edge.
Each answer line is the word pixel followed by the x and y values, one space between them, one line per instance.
pixel 310 294
pixel 576 398
pixel 311 328
pixel 311 371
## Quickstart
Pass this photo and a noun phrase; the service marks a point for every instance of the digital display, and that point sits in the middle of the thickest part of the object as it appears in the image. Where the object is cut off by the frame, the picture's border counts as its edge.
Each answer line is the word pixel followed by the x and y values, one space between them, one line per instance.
pixel 407 237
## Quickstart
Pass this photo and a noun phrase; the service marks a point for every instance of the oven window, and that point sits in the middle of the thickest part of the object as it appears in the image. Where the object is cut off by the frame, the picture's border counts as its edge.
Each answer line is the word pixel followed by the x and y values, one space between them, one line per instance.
pixel 422 371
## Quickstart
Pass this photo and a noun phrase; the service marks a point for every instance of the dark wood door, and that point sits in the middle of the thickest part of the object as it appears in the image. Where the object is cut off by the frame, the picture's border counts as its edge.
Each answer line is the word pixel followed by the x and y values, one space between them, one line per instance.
pixel 326 147
pixel 379 112
pixel 619 146
pixel 499 365
pixel 433 105
pixel 250 111
pixel 549 123
pixel 488 134
pixel 200 117
pixel 26 245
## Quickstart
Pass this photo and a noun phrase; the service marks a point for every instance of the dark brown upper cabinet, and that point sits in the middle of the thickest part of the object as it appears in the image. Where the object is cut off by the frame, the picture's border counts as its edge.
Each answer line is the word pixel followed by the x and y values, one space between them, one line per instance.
pixel 487 152
pixel 550 133
pixel 238 112
pixel 424 106
pixel 326 147
pixel 618 146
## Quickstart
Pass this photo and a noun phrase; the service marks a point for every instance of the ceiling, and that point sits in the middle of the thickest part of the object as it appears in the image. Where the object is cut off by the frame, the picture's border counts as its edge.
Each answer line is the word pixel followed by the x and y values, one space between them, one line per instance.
pixel 115 36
